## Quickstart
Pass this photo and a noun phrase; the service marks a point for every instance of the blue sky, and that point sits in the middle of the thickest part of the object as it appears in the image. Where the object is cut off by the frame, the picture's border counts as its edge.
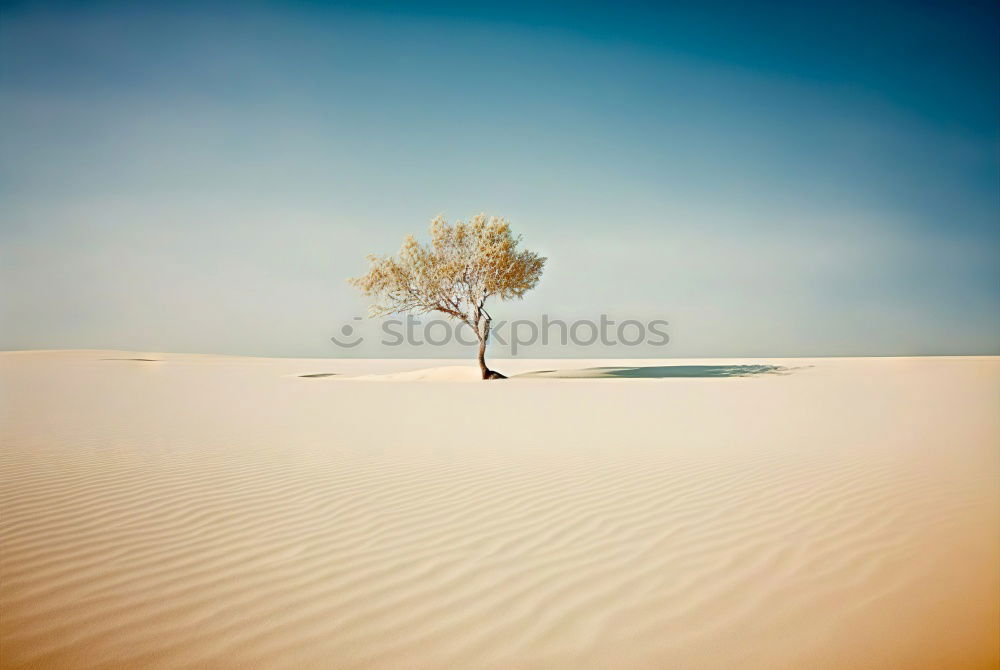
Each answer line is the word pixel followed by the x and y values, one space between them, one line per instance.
pixel 786 179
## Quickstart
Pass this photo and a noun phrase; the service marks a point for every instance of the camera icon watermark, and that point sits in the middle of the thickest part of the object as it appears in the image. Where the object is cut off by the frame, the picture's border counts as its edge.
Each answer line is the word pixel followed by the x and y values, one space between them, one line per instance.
pixel 349 338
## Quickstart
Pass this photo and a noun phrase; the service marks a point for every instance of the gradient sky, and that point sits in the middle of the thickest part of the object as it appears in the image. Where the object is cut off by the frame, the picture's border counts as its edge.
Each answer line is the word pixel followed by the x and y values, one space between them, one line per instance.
pixel 774 180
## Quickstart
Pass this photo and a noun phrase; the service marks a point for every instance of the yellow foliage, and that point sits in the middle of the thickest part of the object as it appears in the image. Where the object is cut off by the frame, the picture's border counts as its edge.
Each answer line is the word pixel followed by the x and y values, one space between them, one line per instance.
pixel 461 267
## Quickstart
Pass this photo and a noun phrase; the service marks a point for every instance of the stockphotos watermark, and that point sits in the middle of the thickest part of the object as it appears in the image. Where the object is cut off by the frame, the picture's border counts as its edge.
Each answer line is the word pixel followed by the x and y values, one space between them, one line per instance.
pixel 516 335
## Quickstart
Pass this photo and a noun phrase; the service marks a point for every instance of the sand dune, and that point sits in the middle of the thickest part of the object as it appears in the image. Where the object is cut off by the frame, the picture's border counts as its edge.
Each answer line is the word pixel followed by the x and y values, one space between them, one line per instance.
pixel 446 373
pixel 224 512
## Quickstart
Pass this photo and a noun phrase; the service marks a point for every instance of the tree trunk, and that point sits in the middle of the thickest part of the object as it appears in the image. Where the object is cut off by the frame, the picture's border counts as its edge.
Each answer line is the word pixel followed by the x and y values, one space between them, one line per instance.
pixel 482 359
pixel 483 332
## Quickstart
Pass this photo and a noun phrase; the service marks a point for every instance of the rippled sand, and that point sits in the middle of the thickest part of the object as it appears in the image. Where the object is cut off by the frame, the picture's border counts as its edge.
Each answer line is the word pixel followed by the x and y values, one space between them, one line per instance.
pixel 163 511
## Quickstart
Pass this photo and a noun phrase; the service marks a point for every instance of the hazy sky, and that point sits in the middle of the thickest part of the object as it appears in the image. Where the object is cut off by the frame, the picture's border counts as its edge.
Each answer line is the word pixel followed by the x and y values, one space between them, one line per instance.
pixel 783 179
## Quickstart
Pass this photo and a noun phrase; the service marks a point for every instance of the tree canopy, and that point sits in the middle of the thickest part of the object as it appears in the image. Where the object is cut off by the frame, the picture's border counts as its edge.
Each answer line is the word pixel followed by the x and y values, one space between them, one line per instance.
pixel 461 267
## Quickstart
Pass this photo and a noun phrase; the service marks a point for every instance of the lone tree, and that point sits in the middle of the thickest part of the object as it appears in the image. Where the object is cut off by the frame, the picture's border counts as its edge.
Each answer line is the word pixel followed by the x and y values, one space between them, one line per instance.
pixel 456 273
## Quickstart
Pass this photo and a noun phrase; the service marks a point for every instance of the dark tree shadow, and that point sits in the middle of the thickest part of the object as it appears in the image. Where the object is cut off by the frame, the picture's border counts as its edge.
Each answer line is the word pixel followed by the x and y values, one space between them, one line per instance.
pixel 317 375
pixel 141 360
pixel 661 372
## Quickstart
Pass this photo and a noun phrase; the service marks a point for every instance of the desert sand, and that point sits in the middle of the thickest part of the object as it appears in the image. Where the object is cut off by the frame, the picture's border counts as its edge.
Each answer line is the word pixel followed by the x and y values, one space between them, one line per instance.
pixel 165 511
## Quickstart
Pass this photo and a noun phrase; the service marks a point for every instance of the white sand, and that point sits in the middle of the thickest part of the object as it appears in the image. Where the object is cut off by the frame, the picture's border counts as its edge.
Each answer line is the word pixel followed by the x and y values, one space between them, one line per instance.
pixel 224 512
